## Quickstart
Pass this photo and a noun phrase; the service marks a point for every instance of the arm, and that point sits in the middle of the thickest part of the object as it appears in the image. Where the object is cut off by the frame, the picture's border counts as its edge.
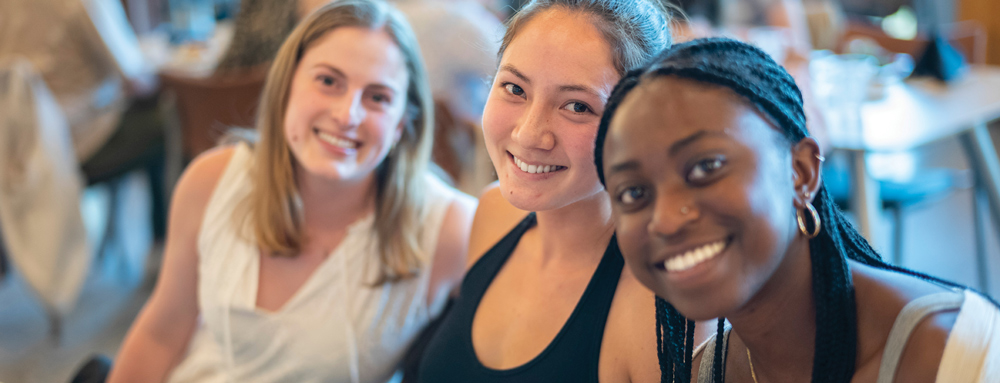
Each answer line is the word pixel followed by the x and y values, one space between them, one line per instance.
pixel 108 20
pixel 452 247
pixel 159 336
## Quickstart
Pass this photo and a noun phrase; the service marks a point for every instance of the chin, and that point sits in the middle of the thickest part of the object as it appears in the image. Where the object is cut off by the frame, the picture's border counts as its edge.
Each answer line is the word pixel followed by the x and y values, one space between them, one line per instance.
pixel 527 200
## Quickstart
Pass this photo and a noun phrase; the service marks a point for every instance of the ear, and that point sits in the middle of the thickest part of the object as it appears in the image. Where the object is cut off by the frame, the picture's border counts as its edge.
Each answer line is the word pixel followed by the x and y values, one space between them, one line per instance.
pixel 806 164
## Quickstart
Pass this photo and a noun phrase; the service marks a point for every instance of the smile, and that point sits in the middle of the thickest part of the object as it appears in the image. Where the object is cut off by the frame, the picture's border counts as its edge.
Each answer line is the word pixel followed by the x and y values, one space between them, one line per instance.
pixel 693 257
pixel 336 141
pixel 536 169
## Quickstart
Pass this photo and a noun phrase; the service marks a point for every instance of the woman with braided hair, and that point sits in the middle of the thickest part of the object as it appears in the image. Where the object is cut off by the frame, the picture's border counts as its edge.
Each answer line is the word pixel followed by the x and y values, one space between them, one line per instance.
pixel 720 209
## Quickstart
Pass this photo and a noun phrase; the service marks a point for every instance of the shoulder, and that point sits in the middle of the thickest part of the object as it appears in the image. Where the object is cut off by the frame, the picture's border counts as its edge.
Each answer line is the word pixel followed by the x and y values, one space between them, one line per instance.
pixel 881 297
pixel 494 218
pixel 628 351
pixel 200 178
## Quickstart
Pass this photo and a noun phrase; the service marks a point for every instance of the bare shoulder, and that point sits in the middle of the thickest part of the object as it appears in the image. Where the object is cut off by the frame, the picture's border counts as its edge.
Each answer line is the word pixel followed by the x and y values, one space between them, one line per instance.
pixel 494 218
pixel 628 351
pixel 922 354
pixel 881 296
pixel 200 178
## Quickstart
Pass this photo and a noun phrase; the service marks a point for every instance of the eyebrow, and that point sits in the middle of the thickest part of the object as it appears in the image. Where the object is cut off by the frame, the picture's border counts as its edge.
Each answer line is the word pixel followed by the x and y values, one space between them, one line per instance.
pixel 701 134
pixel 622 167
pixel 581 88
pixel 515 72
pixel 631 165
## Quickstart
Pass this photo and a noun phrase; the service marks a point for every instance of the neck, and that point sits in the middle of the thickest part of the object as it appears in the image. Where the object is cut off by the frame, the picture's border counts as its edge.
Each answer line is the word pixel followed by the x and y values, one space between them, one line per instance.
pixel 778 325
pixel 575 229
pixel 329 206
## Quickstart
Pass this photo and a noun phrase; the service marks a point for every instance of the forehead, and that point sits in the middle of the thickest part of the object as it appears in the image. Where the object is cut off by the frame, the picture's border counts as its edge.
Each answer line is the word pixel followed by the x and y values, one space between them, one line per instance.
pixel 667 109
pixel 366 53
pixel 561 46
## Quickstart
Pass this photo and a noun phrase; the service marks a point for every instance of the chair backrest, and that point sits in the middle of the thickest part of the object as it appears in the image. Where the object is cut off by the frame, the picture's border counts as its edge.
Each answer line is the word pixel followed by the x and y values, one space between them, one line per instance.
pixel 207 107
pixel 968 37
pixel 453 142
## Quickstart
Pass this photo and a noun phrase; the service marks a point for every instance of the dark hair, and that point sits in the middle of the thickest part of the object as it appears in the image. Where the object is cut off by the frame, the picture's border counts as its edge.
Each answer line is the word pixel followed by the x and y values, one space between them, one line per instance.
pixel 635 29
pixel 752 74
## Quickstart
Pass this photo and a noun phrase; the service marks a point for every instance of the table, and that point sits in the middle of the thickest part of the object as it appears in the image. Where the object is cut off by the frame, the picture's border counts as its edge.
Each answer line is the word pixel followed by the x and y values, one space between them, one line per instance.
pixel 916 112
pixel 196 60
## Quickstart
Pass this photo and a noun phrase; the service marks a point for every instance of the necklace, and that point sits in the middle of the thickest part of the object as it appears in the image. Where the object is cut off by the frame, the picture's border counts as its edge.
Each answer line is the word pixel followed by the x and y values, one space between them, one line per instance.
pixel 752 373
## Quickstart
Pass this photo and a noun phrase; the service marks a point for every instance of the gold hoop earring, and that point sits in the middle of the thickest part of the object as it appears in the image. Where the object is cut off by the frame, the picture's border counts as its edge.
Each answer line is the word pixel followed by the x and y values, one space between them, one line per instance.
pixel 802 222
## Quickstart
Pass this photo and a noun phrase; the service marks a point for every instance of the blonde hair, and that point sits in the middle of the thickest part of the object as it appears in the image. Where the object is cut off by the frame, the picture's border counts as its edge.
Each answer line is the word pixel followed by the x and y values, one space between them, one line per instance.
pixel 274 206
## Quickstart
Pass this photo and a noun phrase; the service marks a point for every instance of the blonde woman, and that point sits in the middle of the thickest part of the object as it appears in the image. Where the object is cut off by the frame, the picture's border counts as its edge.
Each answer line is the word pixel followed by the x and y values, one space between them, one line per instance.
pixel 320 253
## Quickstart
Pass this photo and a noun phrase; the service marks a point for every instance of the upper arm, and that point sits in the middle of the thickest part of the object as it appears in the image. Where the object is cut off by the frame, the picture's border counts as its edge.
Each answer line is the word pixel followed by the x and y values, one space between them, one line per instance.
pixel 923 351
pixel 494 218
pixel 452 246
pixel 174 300
pixel 628 351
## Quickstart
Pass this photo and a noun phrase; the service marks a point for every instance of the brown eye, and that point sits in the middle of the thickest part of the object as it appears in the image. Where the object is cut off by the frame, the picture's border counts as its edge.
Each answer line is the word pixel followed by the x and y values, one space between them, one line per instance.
pixel 705 168
pixel 514 89
pixel 631 195
pixel 577 107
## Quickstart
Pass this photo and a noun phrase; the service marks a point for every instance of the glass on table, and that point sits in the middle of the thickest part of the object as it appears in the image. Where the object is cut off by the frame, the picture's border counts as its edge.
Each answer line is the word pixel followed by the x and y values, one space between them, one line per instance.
pixel 842 84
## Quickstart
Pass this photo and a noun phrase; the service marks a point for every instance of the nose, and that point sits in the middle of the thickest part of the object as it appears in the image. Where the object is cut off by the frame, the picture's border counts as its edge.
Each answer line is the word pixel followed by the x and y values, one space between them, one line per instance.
pixel 672 212
pixel 533 130
pixel 347 109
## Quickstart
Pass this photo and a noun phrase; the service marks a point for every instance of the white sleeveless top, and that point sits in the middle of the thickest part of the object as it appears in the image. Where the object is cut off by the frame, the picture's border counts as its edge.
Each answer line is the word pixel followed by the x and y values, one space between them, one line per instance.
pixel 335 328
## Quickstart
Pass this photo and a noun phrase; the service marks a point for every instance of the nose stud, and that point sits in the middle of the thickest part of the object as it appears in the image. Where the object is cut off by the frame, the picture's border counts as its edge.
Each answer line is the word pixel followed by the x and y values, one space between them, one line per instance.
pixel 685 210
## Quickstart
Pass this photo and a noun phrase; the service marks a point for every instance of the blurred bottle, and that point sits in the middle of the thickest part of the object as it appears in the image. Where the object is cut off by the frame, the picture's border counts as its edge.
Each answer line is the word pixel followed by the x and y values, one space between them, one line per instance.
pixel 192 20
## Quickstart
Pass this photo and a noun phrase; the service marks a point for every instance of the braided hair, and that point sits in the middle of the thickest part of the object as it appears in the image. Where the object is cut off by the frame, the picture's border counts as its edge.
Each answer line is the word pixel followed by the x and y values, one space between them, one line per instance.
pixel 752 74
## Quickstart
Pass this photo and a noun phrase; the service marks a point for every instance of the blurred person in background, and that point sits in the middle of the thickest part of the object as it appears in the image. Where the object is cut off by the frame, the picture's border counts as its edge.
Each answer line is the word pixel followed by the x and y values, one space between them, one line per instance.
pixel 74 74
pixel 89 57
pixel 320 252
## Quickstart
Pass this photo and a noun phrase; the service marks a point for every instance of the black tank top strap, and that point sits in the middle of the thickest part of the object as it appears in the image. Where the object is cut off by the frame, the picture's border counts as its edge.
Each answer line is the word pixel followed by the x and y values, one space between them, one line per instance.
pixel 572 356
pixel 481 274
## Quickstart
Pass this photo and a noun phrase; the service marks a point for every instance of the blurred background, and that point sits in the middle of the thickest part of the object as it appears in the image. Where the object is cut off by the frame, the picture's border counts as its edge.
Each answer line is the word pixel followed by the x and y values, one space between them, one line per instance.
pixel 103 103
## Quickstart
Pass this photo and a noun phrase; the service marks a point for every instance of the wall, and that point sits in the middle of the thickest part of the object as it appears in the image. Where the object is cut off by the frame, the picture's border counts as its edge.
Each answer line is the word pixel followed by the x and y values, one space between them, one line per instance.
pixel 987 13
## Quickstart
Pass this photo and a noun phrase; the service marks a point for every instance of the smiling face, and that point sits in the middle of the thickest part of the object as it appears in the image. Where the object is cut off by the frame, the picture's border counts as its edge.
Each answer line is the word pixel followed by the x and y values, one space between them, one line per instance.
pixel 703 190
pixel 346 103
pixel 541 117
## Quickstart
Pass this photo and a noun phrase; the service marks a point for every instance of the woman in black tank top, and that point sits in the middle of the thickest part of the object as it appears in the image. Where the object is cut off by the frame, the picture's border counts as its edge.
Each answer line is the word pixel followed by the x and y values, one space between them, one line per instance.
pixel 558 62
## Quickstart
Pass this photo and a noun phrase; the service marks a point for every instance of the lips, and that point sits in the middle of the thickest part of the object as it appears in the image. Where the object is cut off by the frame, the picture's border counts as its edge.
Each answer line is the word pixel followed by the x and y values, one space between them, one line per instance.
pixel 535 168
pixel 693 257
pixel 338 141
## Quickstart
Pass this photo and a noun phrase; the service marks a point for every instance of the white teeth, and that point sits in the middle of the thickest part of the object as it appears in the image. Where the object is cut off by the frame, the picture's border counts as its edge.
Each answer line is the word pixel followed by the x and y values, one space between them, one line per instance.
pixel 693 257
pixel 534 169
pixel 337 141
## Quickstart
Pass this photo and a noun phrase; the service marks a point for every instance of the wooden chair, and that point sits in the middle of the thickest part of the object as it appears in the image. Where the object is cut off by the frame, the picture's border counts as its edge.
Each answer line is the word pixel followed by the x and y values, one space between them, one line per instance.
pixel 207 107
pixel 454 143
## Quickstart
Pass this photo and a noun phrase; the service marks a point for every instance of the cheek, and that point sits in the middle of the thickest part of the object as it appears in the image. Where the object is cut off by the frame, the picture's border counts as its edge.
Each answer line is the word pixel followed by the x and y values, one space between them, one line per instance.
pixel 633 237
pixel 766 206
pixel 498 119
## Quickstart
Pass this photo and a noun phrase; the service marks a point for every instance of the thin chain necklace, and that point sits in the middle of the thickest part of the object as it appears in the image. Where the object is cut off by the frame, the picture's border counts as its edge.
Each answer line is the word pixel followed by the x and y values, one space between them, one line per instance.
pixel 752 373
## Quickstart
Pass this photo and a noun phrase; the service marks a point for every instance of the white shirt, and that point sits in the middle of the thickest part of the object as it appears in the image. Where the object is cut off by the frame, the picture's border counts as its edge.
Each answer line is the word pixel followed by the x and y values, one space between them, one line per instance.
pixel 335 328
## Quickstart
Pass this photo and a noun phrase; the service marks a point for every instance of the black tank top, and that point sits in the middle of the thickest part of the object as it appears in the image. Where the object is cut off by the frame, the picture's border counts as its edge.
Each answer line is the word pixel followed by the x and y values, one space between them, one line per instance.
pixel 571 357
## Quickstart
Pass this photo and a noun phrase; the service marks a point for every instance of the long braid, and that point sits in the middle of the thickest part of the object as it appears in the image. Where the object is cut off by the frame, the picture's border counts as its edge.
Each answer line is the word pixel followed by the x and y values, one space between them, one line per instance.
pixel 718 368
pixel 752 74
pixel 666 369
